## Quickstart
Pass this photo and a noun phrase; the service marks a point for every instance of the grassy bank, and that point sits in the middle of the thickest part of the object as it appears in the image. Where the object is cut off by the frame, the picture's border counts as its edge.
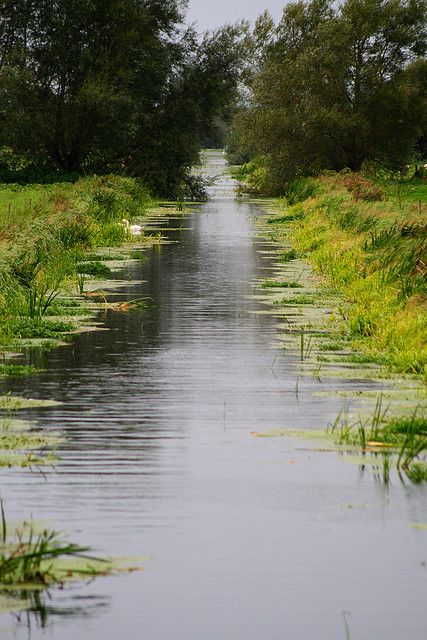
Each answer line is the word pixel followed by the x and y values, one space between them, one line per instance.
pixel 350 291
pixel 51 239
pixel 372 251
pixel 46 233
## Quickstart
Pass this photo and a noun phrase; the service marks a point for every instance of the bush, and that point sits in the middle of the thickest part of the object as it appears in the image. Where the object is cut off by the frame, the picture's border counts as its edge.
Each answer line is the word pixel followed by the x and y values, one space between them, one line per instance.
pixel 362 188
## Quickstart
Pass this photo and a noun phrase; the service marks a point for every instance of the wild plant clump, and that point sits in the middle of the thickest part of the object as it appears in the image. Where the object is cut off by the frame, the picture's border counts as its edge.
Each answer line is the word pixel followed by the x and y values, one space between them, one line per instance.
pixel 362 188
pixel 402 440
pixel 28 557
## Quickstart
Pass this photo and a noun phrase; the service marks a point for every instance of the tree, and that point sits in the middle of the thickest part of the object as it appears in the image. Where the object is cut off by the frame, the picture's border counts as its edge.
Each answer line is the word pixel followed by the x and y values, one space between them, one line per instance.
pixel 111 85
pixel 331 92
pixel 77 70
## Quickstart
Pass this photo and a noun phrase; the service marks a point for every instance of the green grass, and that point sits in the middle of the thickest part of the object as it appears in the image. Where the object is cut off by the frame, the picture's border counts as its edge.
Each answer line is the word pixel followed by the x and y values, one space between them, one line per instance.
pixel 28 557
pixel 374 255
pixel 402 440
pixel 286 218
pixel 406 190
pixel 46 232
pixel 17 201
pixel 365 358
pixel 333 346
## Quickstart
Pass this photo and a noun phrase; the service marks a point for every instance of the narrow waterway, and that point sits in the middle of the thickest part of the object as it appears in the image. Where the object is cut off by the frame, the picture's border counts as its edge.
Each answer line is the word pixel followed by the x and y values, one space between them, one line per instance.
pixel 242 538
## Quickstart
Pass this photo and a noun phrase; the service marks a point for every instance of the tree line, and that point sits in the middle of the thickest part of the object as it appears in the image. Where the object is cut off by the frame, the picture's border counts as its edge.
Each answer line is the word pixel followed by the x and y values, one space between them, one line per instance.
pixel 334 86
pixel 111 85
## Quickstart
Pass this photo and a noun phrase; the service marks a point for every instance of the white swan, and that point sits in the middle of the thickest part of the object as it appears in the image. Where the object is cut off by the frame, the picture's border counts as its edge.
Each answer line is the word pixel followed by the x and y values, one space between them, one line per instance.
pixel 134 229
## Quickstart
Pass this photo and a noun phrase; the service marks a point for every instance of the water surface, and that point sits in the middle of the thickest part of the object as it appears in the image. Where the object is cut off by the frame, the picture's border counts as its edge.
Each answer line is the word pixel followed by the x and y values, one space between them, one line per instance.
pixel 243 538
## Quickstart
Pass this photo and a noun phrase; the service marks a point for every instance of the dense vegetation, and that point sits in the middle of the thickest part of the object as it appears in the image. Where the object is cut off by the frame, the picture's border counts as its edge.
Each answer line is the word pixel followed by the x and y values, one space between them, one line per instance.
pixel 373 252
pixel 109 86
pixel 334 86
pixel 335 120
pixel 45 233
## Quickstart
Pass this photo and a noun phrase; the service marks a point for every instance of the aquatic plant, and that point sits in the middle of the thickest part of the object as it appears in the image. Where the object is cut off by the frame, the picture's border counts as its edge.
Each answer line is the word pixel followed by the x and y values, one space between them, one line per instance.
pixel 281 284
pixel 28 328
pixel 44 243
pixel 16 370
pixel 287 256
pixel 402 439
pixel 95 268
pixel 306 344
pixel 304 298
pixel 29 557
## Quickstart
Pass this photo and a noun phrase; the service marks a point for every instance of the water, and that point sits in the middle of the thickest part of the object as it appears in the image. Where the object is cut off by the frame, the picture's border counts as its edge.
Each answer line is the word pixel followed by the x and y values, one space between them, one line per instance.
pixel 242 537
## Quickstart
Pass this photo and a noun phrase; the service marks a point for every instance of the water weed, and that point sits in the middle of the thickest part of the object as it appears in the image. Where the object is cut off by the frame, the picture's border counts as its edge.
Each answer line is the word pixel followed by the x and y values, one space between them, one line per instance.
pixel 402 441
pixel 282 284
pixel 28 557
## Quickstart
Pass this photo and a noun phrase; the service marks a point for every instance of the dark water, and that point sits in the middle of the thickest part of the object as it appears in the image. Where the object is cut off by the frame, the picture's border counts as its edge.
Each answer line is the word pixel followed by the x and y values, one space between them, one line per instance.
pixel 243 538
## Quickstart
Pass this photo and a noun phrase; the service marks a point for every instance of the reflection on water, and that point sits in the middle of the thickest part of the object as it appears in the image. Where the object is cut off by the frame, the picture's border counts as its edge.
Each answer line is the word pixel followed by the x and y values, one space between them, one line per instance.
pixel 243 537
pixel 43 606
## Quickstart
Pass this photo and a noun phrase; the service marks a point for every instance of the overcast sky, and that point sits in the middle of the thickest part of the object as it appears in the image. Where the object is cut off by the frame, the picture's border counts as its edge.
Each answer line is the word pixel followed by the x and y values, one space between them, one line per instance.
pixel 214 13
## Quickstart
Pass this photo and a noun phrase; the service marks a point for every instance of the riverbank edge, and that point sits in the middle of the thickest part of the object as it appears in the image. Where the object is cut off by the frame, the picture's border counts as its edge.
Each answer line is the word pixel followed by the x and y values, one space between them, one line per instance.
pixel 59 256
pixel 320 318
pixel 346 240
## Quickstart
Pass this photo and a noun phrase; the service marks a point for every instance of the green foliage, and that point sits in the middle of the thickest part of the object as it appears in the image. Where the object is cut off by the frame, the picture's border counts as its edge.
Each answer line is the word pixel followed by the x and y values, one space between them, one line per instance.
pixel 282 284
pixel 110 85
pixel 336 85
pixel 96 269
pixel 374 254
pixel 28 557
pixel 16 370
pixel 301 189
pixel 287 256
pixel 27 328
pixel 295 214
pixel 254 175
pixel 417 472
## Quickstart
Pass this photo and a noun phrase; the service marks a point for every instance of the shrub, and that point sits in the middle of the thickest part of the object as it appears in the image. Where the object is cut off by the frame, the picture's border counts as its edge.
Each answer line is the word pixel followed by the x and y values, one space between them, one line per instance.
pixel 362 188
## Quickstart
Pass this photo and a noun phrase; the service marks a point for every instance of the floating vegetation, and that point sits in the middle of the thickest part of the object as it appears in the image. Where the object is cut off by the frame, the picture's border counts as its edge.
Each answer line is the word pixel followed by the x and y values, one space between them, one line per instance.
pixel 126 306
pixel 283 284
pixel 96 269
pixel 12 403
pixel 17 370
pixel 287 256
pixel 106 257
pixel 332 346
pixel 20 444
pixel 407 435
pixel 303 299
pixel 34 559
pixel 27 328
pixel 396 443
